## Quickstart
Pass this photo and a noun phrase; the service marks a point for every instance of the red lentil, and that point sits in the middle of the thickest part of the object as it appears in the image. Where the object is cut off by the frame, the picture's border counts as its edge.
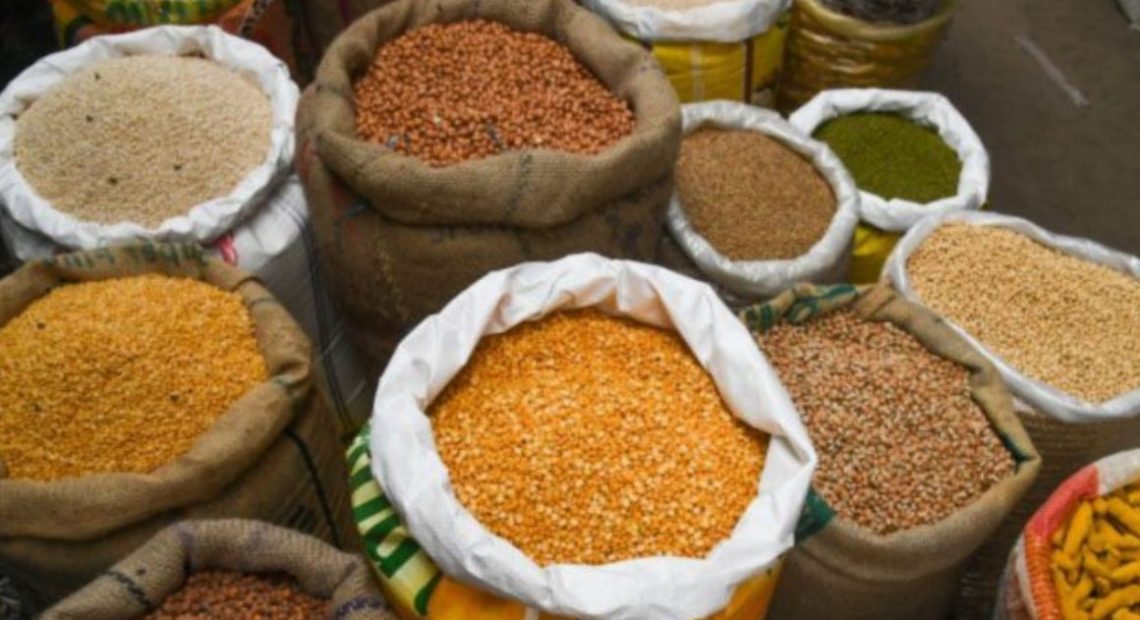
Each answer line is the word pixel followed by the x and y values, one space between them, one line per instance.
pixel 225 595
pixel 446 93
pixel 120 375
pixel 584 438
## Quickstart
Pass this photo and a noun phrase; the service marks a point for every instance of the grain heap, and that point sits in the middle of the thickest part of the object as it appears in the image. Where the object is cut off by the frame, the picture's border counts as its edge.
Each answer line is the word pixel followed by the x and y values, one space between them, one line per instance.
pixel 893 157
pixel 226 595
pixel 901 443
pixel 143 138
pixel 120 375
pixel 1066 322
pixel 751 197
pixel 583 422
pixel 447 93
pixel 1096 558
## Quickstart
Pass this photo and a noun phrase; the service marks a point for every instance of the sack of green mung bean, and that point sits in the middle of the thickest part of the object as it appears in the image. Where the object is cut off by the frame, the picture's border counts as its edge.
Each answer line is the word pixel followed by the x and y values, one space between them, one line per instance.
pixel 910 153
pixel 625 391
pixel 423 177
pixel 1056 315
pixel 153 579
pixel 921 454
pixel 145 384
pixel 758 205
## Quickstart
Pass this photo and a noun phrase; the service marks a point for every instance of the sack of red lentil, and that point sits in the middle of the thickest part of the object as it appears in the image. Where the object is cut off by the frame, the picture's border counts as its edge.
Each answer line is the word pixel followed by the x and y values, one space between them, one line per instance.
pixel 153 580
pixel 757 221
pixel 1077 556
pixel 934 164
pixel 872 541
pixel 72 506
pixel 623 324
pixel 708 50
pixel 1056 315
pixel 401 235
pixel 259 224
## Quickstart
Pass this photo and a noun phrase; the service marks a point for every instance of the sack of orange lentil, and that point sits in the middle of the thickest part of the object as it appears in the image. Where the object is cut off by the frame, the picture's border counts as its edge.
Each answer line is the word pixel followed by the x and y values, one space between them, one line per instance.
pixel 144 384
pixel 921 456
pixel 443 139
pixel 1079 555
pixel 1057 316
pixel 583 438
pixel 229 568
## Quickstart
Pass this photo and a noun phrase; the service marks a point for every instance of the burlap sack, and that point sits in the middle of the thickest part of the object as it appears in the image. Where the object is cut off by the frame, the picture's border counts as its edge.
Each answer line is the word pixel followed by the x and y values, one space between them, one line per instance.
pixel 273 456
pixel 839 570
pixel 324 20
pixel 140 582
pixel 399 238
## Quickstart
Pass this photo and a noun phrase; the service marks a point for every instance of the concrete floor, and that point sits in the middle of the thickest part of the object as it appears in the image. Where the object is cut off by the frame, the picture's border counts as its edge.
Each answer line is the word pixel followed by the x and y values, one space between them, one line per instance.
pixel 1072 170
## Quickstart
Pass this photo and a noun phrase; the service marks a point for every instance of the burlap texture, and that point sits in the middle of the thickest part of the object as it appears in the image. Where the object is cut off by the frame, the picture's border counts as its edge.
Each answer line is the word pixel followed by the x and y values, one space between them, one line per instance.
pixel 139 583
pixel 273 455
pixel 399 238
pixel 826 50
pixel 839 570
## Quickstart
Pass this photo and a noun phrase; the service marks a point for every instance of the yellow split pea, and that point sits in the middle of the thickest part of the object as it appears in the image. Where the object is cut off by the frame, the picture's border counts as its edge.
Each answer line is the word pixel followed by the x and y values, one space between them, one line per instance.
pixel 584 438
pixel 120 375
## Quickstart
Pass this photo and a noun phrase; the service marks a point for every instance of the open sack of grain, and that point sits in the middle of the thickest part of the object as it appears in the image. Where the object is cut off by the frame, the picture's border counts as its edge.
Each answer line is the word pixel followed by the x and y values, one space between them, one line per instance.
pixel 760 206
pixel 229 568
pixel 1079 556
pixel 144 384
pixel 1057 316
pixel 708 49
pixel 443 140
pixel 921 456
pixel 611 385
pixel 171 134
pixel 911 154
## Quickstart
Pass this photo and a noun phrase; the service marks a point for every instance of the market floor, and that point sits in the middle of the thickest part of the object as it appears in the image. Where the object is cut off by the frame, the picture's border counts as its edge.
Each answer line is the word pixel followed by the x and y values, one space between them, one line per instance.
pixel 1074 170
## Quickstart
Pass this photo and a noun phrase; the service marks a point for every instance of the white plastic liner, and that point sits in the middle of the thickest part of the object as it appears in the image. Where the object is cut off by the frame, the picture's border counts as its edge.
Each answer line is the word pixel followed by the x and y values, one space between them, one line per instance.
pixel 767 278
pixel 204 222
pixel 727 21
pixel 927 109
pixel 408 466
pixel 1043 398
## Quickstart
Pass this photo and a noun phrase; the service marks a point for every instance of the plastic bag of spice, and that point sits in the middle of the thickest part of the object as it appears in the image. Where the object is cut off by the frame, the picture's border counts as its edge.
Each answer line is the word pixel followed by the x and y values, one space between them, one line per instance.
pixel 720 50
pixel 140 583
pixel 841 568
pixel 825 261
pixel 400 237
pixel 1076 557
pixel 273 455
pixel 1069 302
pixel 884 215
pixel 826 49
pixel 455 565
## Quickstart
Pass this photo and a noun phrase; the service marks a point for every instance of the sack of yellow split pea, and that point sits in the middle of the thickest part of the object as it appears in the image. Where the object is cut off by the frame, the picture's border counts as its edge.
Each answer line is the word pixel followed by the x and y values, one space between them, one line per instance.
pixel 433 553
pixel 708 50
pixel 1078 558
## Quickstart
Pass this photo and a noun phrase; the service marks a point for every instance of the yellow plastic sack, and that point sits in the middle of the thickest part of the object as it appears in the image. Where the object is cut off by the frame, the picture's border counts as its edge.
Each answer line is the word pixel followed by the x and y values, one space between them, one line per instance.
pixel 869 252
pixel 418 590
pixel 826 50
pixel 703 71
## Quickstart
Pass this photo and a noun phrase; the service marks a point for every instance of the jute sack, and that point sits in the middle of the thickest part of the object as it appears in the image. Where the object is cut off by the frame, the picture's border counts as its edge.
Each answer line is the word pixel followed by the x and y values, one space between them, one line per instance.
pixel 840 570
pixel 140 582
pixel 274 455
pixel 399 238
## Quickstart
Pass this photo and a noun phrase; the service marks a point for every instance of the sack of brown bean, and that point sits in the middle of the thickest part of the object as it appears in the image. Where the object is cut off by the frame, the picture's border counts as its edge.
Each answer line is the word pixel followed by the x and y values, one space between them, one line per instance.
pixel 144 384
pixel 910 153
pixel 1058 317
pixel 133 138
pixel 443 140
pixel 921 456
pixel 229 569
pixel 709 50
pixel 758 205
pixel 584 395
